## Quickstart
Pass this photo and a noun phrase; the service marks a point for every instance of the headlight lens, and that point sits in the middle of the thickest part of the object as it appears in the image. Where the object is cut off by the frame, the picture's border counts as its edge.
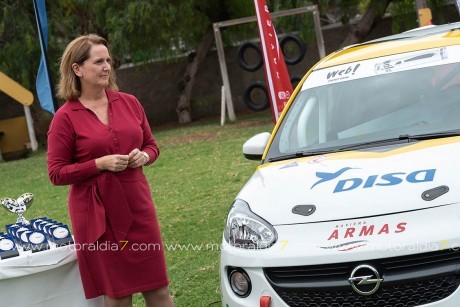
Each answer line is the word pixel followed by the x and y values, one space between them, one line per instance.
pixel 245 229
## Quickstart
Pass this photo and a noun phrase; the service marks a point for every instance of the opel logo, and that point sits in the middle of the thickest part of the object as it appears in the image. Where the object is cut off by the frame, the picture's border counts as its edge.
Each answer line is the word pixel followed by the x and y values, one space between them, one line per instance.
pixel 365 280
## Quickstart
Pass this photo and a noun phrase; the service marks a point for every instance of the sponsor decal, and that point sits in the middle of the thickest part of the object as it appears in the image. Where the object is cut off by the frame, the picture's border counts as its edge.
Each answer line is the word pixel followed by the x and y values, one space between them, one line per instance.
pixel 390 179
pixel 345 247
pixel 342 74
pixel 329 176
pixel 414 59
pixel 383 65
pixel 362 230
pixel 292 164
pixel 317 159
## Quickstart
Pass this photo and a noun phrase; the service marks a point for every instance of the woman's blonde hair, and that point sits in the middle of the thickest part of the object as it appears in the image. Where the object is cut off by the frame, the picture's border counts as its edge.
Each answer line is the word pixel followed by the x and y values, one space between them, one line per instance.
pixel 77 51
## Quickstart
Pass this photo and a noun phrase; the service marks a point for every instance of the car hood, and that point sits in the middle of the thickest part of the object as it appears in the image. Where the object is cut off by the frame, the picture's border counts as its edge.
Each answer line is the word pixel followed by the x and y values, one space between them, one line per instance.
pixel 356 184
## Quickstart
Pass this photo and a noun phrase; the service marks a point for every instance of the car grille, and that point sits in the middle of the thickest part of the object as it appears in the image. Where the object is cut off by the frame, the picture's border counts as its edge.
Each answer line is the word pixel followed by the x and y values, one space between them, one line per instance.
pixel 408 281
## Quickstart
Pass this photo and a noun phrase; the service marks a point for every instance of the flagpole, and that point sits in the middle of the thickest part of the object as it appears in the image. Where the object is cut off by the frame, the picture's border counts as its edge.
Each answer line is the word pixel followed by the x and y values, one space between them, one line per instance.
pixel 45 55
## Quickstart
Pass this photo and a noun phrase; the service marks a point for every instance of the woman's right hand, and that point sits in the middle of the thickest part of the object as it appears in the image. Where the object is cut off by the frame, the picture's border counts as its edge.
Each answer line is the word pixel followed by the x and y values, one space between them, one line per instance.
pixel 113 163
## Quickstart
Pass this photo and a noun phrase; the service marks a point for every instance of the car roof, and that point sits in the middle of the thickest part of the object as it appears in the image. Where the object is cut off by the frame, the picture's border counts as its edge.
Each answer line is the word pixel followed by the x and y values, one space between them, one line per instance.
pixel 418 39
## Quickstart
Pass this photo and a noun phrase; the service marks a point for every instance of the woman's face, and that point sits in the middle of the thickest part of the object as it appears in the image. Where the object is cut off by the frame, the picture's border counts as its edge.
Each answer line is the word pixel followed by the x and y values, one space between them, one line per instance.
pixel 95 71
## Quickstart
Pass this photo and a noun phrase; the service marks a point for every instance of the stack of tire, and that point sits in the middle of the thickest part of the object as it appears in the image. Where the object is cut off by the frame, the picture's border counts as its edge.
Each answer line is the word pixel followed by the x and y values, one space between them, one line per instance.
pixel 253 66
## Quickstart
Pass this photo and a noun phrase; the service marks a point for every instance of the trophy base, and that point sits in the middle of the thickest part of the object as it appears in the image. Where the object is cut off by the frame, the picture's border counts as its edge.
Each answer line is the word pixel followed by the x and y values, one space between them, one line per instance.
pixel 9 254
pixel 37 247
pixel 23 222
pixel 64 241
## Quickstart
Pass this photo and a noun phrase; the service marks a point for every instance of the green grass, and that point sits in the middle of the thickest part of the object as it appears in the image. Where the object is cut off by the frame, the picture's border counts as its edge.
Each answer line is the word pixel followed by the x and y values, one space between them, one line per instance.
pixel 200 171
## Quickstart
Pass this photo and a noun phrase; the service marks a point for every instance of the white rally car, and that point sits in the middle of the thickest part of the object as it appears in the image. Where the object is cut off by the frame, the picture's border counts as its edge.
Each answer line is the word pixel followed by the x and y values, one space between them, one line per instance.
pixel 356 201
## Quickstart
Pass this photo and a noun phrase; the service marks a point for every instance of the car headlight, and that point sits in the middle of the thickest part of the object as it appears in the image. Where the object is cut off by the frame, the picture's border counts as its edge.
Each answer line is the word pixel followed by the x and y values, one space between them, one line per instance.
pixel 245 229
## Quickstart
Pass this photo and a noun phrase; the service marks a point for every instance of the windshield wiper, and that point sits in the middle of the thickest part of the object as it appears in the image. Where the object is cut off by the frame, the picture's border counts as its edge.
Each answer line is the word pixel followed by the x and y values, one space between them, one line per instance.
pixel 397 140
pixel 427 136
pixel 300 154
pixel 402 137
pixel 377 143
pixel 373 143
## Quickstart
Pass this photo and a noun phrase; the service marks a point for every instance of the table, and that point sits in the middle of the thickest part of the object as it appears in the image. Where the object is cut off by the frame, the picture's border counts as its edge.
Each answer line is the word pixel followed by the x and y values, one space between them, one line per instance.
pixel 43 279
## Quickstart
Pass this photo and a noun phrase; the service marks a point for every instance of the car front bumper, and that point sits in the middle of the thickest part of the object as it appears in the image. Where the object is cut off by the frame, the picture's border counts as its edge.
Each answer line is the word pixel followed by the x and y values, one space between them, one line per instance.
pixel 418 262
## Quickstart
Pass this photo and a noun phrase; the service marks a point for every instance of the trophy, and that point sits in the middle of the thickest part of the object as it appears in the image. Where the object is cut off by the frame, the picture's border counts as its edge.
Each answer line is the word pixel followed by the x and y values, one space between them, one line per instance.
pixel 18 206
pixel 8 248
pixel 55 232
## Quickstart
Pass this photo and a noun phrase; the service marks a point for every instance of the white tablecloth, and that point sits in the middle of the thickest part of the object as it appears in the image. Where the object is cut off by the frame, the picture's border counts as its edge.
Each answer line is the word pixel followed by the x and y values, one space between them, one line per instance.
pixel 47 279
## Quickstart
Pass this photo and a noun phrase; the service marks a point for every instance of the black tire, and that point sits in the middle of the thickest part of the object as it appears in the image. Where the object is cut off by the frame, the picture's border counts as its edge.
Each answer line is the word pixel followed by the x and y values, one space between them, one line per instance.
pixel 242 61
pixel 300 46
pixel 254 105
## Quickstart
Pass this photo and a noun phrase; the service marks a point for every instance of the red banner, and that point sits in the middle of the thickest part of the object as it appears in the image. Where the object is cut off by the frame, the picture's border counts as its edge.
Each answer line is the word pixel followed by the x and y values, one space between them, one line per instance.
pixel 276 73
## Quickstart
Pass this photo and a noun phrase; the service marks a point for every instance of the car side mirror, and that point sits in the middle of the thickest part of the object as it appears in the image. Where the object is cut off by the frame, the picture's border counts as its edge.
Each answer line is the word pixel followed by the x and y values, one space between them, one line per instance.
pixel 253 149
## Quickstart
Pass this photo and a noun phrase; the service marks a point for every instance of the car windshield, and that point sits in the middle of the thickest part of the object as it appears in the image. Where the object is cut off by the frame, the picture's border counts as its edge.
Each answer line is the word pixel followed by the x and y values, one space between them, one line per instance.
pixel 362 104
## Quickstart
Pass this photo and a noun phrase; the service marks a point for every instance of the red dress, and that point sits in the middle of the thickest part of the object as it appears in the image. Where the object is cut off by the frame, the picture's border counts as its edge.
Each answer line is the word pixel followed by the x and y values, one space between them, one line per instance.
pixel 117 237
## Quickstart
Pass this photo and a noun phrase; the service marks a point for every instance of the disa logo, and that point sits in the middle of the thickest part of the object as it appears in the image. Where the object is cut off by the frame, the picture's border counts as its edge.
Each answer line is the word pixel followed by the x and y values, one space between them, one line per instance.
pixel 389 179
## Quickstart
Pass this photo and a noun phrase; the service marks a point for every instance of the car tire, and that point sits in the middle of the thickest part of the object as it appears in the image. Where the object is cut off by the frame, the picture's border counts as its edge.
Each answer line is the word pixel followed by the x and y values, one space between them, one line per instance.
pixel 250 103
pixel 242 61
pixel 300 46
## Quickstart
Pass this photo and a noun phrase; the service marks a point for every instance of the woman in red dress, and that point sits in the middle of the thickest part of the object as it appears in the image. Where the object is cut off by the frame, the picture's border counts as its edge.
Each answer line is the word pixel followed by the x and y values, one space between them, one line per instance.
pixel 98 143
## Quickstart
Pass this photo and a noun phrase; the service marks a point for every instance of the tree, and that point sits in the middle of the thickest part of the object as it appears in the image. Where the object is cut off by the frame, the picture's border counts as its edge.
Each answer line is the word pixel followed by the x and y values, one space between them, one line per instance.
pixel 210 11
pixel 17 41
pixel 374 11
pixel 213 11
pixel 137 31
pixel 142 30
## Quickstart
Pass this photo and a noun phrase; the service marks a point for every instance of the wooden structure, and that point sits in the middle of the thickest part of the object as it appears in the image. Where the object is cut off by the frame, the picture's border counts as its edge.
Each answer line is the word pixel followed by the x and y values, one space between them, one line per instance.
pixel 16 134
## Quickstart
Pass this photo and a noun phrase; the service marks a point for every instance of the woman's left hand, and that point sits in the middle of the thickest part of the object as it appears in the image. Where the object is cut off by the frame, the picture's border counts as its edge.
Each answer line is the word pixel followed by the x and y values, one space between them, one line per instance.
pixel 136 158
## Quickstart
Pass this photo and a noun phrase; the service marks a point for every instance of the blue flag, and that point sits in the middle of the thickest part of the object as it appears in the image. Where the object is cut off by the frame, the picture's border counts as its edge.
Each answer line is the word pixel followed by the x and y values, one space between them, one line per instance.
pixel 43 83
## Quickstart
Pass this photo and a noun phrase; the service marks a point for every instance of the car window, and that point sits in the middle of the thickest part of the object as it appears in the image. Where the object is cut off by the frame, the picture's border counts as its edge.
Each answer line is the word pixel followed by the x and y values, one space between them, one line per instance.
pixel 380 102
